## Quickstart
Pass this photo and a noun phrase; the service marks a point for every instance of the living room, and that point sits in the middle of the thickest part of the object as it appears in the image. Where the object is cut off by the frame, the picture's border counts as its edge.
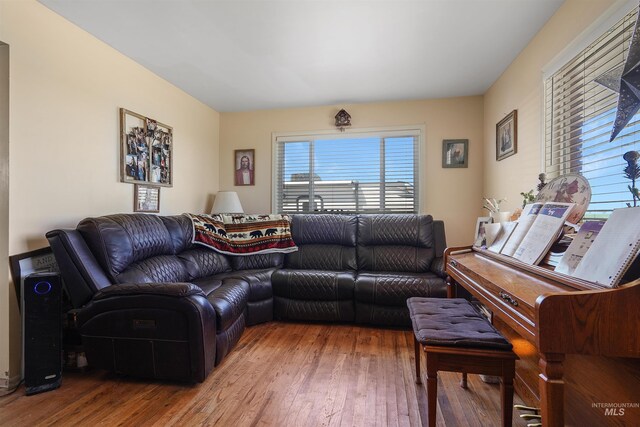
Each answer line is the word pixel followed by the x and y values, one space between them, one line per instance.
pixel 63 87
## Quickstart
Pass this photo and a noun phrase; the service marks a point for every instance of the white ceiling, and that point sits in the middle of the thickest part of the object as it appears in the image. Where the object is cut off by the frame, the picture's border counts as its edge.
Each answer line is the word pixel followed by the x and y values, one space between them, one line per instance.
pixel 248 55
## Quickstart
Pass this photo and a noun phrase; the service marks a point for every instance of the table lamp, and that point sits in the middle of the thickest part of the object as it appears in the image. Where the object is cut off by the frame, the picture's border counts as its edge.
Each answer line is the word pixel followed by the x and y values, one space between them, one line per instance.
pixel 226 202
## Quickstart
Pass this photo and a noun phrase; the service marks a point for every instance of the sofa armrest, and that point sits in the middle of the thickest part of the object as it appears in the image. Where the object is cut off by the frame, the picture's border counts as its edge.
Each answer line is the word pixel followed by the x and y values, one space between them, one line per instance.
pixel 177 290
pixel 157 330
pixel 82 274
pixel 438 268
pixel 439 238
pixel 440 244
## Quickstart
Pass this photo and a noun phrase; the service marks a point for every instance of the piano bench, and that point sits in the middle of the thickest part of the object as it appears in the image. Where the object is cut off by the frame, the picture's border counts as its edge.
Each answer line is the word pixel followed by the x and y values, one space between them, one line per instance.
pixel 457 338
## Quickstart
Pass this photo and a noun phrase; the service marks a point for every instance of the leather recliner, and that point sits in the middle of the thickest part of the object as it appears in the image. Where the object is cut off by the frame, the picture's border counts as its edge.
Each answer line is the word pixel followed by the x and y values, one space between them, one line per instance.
pixel 399 256
pixel 318 280
pixel 150 303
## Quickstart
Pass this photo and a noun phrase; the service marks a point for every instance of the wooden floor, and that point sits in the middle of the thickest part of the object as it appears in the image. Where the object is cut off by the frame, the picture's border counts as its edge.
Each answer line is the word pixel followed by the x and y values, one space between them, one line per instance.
pixel 279 374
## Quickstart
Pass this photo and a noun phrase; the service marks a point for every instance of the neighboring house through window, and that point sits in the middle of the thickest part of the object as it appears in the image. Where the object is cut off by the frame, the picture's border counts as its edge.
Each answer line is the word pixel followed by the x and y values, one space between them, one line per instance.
pixel 350 172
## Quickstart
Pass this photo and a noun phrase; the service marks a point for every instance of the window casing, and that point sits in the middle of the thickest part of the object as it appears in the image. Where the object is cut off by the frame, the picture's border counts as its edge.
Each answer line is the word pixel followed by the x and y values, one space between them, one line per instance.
pixel 351 172
pixel 579 115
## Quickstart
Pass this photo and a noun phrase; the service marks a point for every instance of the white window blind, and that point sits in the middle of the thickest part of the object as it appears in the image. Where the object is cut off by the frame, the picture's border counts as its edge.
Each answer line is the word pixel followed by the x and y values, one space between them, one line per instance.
pixel 579 115
pixel 347 173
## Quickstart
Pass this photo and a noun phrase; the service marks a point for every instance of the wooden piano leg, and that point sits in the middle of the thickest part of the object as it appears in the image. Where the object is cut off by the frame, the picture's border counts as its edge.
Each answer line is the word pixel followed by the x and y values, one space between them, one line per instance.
pixel 451 287
pixel 552 389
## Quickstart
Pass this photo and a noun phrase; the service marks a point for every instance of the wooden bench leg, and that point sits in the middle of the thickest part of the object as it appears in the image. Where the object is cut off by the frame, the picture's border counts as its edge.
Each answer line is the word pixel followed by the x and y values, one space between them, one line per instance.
pixel 417 351
pixel 463 381
pixel 506 392
pixel 432 388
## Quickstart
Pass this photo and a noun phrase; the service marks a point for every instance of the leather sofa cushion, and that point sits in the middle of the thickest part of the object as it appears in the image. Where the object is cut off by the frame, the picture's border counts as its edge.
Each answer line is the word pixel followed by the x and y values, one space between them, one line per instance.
pixel 395 258
pixel 398 229
pixel 208 284
pixel 228 297
pixel 384 315
pixel 326 229
pixel 117 241
pixel 393 289
pixel 202 262
pixel 180 229
pixel 322 257
pixel 313 285
pixel 162 268
pixel 403 243
pixel 257 261
pixel 259 282
pixel 226 339
pixel 315 311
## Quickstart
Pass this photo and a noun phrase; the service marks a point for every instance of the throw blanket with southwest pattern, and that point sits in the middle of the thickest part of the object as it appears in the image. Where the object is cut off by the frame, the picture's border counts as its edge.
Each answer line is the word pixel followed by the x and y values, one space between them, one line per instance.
pixel 240 234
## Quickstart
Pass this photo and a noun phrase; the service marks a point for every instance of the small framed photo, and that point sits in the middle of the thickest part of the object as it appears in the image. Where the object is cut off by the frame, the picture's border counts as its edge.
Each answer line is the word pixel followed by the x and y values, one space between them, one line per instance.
pixel 455 153
pixel 244 161
pixel 146 198
pixel 481 232
pixel 507 136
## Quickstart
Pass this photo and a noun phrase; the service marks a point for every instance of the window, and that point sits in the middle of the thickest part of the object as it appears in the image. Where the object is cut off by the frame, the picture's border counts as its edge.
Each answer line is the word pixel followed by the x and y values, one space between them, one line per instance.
pixel 347 173
pixel 579 115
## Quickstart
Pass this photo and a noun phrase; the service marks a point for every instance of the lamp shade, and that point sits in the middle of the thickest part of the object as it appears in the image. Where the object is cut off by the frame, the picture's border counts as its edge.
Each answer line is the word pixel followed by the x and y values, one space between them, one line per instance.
pixel 226 202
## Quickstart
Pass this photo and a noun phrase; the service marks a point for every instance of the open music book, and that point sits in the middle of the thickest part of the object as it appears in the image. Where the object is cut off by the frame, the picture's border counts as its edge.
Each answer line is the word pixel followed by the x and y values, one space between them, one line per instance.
pixel 613 251
pixel 506 229
pixel 579 246
pixel 543 232
pixel 527 217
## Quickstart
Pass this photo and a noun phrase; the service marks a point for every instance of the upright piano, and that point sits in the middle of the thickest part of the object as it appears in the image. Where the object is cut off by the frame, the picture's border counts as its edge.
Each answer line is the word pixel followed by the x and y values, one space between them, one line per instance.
pixel 578 342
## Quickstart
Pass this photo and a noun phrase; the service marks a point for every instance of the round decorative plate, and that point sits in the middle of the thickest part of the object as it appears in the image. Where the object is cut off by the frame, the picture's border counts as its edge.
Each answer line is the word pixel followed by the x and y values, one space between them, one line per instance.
pixel 569 188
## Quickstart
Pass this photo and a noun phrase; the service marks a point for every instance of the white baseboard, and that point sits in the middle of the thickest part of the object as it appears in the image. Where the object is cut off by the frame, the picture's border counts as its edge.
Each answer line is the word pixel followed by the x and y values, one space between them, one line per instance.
pixel 7 385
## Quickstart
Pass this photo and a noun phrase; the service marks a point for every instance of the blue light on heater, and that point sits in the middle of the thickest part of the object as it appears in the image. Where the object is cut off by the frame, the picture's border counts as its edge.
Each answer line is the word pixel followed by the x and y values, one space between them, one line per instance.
pixel 42 288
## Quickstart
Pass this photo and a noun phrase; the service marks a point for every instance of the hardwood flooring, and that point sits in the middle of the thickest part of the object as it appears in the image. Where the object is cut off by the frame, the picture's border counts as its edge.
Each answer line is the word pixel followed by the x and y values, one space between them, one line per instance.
pixel 279 374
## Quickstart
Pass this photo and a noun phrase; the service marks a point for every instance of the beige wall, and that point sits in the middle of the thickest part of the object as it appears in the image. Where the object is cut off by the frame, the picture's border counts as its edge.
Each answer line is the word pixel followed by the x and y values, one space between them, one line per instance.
pixel 521 88
pixel 66 87
pixel 453 195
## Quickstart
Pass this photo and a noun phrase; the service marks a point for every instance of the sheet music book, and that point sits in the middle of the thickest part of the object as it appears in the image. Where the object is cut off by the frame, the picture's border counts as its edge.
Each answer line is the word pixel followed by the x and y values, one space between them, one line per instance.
pixel 505 232
pixel 613 251
pixel 529 213
pixel 491 232
pixel 579 246
pixel 543 232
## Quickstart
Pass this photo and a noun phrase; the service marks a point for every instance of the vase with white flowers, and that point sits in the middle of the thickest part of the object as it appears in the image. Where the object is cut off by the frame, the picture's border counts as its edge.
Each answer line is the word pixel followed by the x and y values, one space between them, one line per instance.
pixel 493 206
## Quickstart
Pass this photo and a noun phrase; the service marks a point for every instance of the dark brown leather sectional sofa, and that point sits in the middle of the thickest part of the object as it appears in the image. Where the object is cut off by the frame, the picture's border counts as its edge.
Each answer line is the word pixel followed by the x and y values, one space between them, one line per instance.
pixel 150 303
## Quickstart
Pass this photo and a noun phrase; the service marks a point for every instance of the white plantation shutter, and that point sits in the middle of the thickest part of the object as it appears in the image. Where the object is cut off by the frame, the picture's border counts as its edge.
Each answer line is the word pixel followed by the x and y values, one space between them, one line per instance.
pixel 579 115
pixel 347 173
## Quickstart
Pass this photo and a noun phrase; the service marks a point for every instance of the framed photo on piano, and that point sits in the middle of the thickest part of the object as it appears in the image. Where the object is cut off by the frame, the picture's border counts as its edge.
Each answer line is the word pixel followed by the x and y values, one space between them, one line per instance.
pixel 481 232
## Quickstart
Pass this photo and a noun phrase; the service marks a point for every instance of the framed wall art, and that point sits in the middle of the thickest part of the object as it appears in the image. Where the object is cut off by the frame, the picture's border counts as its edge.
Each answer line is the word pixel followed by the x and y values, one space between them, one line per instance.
pixel 147 150
pixel 146 198
pixel 244 161
pixel 455 153
pixel 507 136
